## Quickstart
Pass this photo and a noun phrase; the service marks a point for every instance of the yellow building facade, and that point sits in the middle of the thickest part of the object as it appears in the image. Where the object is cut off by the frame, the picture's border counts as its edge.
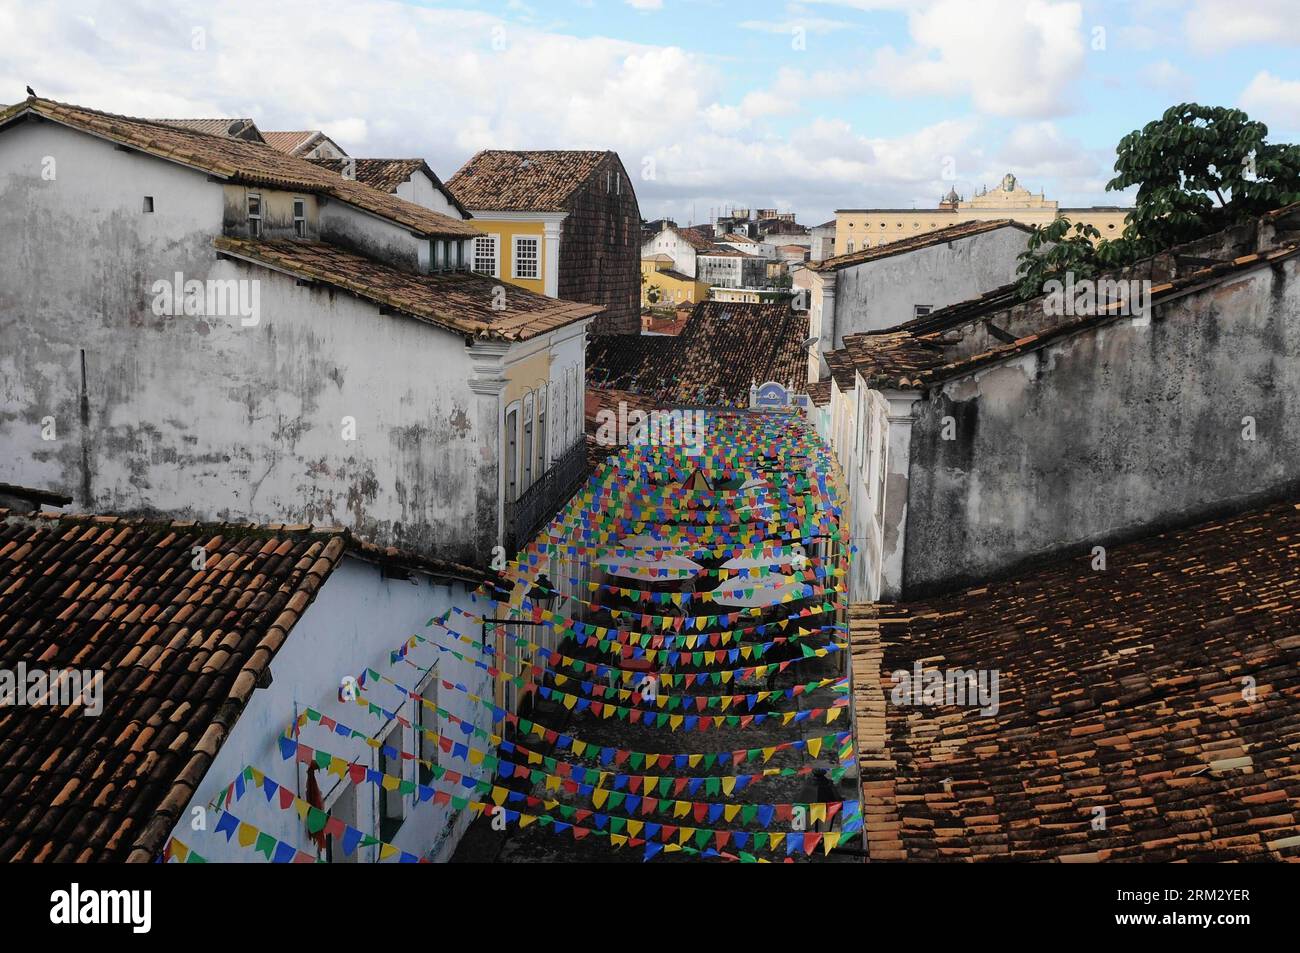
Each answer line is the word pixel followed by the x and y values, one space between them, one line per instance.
pixel 856 229
pixel 669 287
pixel 518 248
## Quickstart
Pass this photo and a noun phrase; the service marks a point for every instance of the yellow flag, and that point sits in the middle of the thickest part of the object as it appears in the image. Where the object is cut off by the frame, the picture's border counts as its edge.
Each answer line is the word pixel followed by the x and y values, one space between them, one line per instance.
pixel 246 833
pixel 814 746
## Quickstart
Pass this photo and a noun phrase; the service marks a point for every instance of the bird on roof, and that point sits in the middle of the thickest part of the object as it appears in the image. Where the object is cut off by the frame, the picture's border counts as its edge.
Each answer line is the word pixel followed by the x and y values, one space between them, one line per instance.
pixel 31 92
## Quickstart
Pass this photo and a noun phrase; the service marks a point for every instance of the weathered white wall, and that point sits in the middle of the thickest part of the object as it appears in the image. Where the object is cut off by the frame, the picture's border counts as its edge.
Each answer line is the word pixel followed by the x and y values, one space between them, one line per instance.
pixel 1113 432
pixel 882 293
pixel 669 243
pixel 356 620
pixel 351 228
pixel 201 416
pixel 420 189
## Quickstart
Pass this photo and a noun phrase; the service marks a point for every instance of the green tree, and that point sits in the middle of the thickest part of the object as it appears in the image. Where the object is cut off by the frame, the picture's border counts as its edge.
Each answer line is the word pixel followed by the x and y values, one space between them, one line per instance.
pixel 1198 169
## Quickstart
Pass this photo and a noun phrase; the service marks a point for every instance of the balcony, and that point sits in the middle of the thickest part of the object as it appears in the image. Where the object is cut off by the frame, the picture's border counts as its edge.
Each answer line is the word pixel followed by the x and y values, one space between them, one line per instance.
pixel 541 501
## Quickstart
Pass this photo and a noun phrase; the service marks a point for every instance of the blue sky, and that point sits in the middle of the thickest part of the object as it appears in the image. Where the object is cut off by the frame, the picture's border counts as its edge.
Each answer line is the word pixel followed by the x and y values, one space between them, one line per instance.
pixel 807 106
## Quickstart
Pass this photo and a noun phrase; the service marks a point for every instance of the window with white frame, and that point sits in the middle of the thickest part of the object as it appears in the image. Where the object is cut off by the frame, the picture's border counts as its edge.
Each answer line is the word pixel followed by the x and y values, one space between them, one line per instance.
pixel 528 257
pixel 300 217
pixel 254 215
pixel 486 259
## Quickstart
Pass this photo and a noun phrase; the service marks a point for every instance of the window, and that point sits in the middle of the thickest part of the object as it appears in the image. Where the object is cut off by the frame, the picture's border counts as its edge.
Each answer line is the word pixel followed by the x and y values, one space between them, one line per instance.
pixel 148 204
pixel 527 451
pixel 512 454
pixel 921 310
pixel 344 808
pixel 849 247
pixel 427 720
pixel 527 257
pixel 439 256
pixel 392 804
pixel 300 217
pixel 485 255
pixel 541 433
pixel 255 216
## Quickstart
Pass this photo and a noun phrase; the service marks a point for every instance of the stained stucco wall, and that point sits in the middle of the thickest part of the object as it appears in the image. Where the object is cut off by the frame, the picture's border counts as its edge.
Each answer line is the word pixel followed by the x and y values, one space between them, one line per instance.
pixel 884 292
pixel 338 635
pixel 1109 433
pixel 421 190
pixel 202 416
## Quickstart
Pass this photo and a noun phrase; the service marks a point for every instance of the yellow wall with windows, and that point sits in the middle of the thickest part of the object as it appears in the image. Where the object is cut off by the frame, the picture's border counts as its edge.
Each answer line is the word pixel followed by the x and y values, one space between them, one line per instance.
pixel 506 232
pixel 856 229
pixel 673 290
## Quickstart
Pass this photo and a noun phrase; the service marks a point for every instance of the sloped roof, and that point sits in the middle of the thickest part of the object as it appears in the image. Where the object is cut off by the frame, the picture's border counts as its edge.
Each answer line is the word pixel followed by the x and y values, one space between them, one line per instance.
pixel 295 142
pixel 915 242
pixel 724 348
pixel 920 354
pixel 387 174
pixel 180 650
pixel 1124 690
pixel 239 161
pixel 461 302
pixel 241 128
pixel 503 180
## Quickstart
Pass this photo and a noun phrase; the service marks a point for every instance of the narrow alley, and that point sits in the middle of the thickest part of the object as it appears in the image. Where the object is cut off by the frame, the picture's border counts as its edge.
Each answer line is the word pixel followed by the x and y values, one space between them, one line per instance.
pixel 681 663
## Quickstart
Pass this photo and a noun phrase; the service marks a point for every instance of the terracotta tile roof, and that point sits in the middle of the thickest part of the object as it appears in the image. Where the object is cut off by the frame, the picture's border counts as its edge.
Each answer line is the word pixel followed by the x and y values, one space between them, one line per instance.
pixel 1123 690
pixel 383 174
pixel 914 242
pixel 820 392
pixel 457 301
pixel 387 174
pixel 920 353
pixel 699 237
pixel 842 370
pixel 290 142
pixel 722 350
pixel 235 128
pixel 530 181
pixel 180 650
pixel 242 162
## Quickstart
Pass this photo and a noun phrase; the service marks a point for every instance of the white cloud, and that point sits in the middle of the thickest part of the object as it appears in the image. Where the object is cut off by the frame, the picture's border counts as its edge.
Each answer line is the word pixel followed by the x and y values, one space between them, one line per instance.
pixel 1215 25
pixel 645 4
pixel 1163 76
pixel 390 79
pixel 1012 57
pixel 1273 100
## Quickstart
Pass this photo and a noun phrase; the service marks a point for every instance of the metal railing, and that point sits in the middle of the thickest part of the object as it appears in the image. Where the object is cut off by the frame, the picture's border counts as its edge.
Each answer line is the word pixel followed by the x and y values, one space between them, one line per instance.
pixel 541 501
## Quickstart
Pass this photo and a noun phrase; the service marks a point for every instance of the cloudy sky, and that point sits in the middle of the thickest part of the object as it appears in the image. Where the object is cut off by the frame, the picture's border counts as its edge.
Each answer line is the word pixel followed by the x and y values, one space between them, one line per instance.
pixel 807 106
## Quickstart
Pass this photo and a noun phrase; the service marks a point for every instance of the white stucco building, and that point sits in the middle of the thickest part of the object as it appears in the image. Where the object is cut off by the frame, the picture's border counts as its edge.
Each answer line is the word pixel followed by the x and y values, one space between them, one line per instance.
pixel 202 326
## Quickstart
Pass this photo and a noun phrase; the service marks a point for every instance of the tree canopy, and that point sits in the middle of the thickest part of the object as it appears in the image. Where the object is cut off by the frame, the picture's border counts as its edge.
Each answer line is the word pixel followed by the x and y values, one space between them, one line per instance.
pixel 1198 169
